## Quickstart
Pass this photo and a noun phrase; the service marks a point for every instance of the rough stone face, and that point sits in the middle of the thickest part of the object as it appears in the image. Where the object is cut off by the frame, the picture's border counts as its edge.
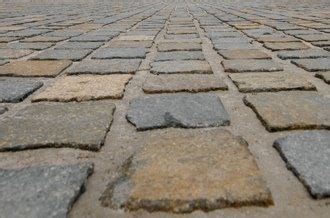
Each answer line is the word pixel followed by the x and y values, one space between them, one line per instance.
pixel 79 45
pixel 131 44
pixel 177 110
pixel 110 53
pixel 34 68
pixel 136 38
pixel 325 76
pixel 274 46
pixel 32 46
pixel 233 46
pixel 44 39
pixel 85 87
pixel 91 38
pixel 307 155
pixel 185 170
pixel 2 109
pixel 43 125
pixel 265 82
pixel 291 110
pixel 237 66
pixel 113 66
pixel 13 53
pixel 41 191
pixel 243 54
pixel 187 66
pixel 278 38
pixel 2 62
pixel 74 55
pixel 316 64
pixel 179 46
pixel 300 54
pixel 314 37
pixel 14 90
pixel 179 55
pixel 182 83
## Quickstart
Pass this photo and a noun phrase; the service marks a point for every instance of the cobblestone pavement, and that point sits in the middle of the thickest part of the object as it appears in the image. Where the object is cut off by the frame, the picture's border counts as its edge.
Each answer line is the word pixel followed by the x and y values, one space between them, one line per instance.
pixel 164 108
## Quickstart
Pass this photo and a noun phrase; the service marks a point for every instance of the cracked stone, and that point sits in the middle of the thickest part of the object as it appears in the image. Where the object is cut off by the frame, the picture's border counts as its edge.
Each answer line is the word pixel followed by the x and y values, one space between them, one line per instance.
pixel 185 170
pixel 270 82
pixel 42 191
pixel 34 68
pixel 177 110
pixel 243 54
pixel 74 55
pixel 185 66
pixel 179 46
pixel 113 66
pixel 291 110
pixel 84 88
pixel 277 46
pixel 307 155
pixel 14 90
pixel 300 54
pixel 52 125
pixel 110 53
pixel 324 75
pixel 241 65
pixel 179 55
pixel 316 64
pixel 182 83
pixel 13 53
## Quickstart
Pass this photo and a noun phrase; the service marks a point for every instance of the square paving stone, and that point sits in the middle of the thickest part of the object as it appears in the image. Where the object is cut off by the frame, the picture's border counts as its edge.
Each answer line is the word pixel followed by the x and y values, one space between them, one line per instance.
pixel 291 110
pixel 177 110
pixel 13 53
pixel 307 155
pixel 182 171
pixel 179 55
pixel 52 125
pixel 277 46
pixel 74 55
pixel 316 64
pixel 182 83
pixel 270 82
pixel 32 46
pixel 42 191
pixel 79 45
pixel 44 39
pixel 241 65
pixel 314 37
pixel 278 38
pixel 14 90
pixel 2 109
pixel 34 68
pixel 182 36
pixel 113 66
pixel 136 38
pixel 125 53
pixel 232 46
pixel 324 75
pixel 84 88
pixel 131 44
pixel 186 66
pixel 179 46
pixel 300 54
pixel 2 62
pixel 243 54
pixel 91 38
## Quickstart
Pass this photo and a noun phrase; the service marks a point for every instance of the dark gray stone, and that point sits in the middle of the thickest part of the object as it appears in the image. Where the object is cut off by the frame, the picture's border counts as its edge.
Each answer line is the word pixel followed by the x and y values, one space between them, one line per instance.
pixel 16 89
pixel 122 53
pixel 299 54
pixel 307 155
pixel 250 65
pixel 74 55
pixel 179 55
pixel 113 66
pixel 79 45
pixel 317 64
pixel 43 125
pixel 41 191
pixel 177 110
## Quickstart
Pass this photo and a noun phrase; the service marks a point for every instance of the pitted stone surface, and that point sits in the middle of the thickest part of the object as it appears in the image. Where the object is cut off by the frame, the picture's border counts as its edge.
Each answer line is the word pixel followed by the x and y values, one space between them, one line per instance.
pixel 274 46
pixel 237 66
pixel 300 54
pixel 179 46
pixel 113 66
pixel 84 88
pixel 15 89
pixel 74 55
pixel 183 170
pixel 79 45
pixel 307 155
pixel 131 44
pixel 41 191
pixel 185 66
pixel 316 64
pixel 291 110
pixel 182 83
pixel 270 82
pixel 179 55
pixel 30 45
pixel 34 68
pixel 13 53
pixel 324 75
pixel 127 53
pixel 43 125
pixel 243 54
pixel 177 110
